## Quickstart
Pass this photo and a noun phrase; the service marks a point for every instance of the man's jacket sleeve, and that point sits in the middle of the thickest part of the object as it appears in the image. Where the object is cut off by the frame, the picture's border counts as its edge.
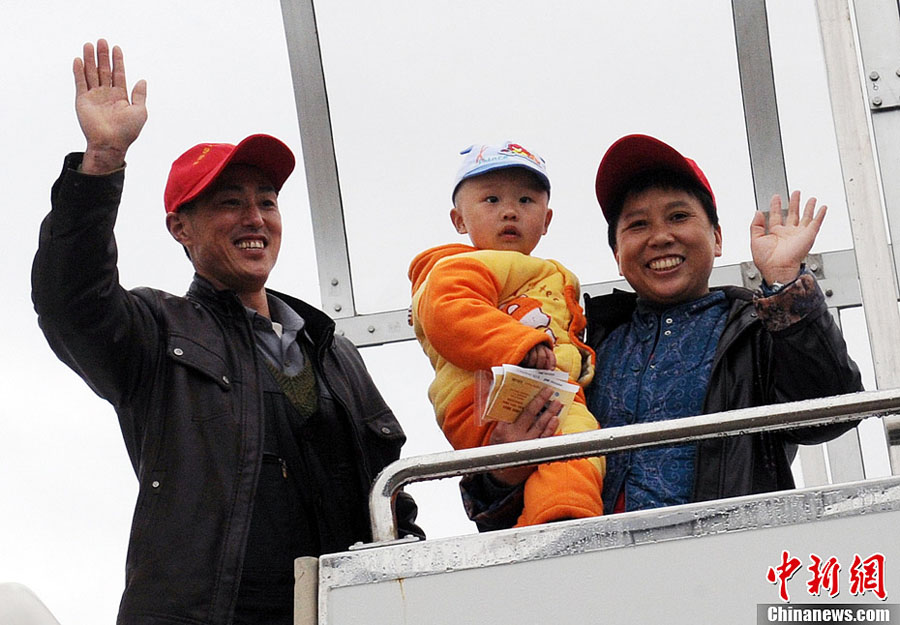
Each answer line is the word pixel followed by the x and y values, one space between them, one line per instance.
pixel 92 324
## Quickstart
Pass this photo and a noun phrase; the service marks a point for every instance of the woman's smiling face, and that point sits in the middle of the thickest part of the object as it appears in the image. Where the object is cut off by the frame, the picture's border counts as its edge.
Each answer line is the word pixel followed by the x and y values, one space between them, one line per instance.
pixel 666 245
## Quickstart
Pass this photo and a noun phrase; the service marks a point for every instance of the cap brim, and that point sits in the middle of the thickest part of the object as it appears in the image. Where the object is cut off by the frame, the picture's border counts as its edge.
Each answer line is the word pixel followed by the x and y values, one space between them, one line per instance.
pixel 545 180
pixel 630 156
pixel 478 171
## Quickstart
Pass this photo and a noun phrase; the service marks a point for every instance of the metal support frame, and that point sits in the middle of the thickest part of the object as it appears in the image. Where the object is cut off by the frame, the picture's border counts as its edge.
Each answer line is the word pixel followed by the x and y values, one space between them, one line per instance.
pixel 332 254
pixel 770 177
pixel 766 157
pixel 751 34
pixel 860 172
pixel 823 411
pixel 835 271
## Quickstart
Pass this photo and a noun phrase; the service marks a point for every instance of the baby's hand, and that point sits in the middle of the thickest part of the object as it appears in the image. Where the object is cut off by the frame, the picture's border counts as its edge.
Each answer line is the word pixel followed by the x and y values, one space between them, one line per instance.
pixel 540 356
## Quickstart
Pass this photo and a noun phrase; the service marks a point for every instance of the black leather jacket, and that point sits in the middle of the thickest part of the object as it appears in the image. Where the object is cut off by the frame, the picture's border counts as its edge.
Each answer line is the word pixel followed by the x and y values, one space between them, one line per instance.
pixel 799 354
pixel 184 376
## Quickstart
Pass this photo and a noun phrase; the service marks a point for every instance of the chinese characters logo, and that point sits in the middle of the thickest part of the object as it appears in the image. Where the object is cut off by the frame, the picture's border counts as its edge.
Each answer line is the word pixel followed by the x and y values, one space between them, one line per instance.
pixel 864 575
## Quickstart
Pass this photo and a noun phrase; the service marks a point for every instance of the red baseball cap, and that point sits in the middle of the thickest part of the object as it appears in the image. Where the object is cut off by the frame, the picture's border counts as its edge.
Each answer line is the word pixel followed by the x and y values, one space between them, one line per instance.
pixel 195 170
pixel 633 155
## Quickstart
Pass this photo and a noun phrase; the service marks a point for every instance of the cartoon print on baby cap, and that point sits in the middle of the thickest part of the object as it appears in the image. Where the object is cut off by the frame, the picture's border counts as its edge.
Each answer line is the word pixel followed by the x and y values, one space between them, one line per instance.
pixel 528 311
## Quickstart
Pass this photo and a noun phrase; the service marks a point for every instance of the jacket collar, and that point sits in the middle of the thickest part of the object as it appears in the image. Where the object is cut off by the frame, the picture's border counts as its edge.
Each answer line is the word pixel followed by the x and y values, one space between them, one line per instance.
pixel 606 312
pixel 224 303
pixel 319 326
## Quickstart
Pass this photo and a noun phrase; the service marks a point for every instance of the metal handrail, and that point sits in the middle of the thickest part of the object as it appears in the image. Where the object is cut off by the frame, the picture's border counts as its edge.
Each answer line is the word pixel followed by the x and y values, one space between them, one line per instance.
pixel 809 412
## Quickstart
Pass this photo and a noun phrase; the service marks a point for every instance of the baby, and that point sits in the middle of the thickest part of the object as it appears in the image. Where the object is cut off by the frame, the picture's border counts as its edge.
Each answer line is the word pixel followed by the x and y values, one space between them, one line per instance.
pixel 492 303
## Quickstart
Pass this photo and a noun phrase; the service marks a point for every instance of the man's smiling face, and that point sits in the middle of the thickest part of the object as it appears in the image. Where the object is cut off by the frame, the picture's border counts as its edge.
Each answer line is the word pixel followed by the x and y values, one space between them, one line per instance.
pixel 666 245
pixel 233 230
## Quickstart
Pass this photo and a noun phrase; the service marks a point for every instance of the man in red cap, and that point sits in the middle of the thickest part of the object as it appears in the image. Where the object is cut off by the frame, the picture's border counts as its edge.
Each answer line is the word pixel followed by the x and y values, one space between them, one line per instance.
pixel 254 431
pixel 676 347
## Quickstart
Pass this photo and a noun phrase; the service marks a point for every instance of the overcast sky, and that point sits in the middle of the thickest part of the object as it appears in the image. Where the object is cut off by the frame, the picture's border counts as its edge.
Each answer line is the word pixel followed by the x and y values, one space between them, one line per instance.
pixel 410 84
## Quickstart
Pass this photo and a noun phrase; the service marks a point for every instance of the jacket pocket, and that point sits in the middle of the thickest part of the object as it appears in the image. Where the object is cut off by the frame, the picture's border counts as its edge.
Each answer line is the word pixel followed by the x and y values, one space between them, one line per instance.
pixel 384 437
pixel 385 425
pixel 203 379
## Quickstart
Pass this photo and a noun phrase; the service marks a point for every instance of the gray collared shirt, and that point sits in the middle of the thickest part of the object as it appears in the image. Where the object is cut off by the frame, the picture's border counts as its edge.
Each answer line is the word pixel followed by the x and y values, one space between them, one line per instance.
pixel 278 338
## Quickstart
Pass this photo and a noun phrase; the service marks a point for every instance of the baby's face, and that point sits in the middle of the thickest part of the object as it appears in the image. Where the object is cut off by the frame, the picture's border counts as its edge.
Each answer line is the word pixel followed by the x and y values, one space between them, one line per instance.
pixel 504 209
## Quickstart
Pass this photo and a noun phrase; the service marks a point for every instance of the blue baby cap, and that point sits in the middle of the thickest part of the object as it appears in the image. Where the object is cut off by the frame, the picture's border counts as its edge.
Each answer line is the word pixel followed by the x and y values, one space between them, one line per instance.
pixel 480 159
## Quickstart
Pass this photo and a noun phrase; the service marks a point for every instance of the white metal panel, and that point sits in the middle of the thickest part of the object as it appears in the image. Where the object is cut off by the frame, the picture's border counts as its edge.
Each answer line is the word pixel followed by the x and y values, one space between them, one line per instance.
pixel 699 563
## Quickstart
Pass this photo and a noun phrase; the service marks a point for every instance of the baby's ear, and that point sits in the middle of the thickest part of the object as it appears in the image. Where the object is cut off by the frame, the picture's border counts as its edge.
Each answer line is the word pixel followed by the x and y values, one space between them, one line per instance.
pixel 458 221
pixel 547 220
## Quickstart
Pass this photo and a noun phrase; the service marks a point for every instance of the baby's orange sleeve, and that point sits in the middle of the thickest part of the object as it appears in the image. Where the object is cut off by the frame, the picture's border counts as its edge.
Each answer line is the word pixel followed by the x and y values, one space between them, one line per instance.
pixel 459 314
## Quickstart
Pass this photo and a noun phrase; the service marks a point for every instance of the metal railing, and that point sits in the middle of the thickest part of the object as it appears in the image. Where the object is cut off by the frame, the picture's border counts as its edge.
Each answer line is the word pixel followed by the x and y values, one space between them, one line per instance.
pixel 824 411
